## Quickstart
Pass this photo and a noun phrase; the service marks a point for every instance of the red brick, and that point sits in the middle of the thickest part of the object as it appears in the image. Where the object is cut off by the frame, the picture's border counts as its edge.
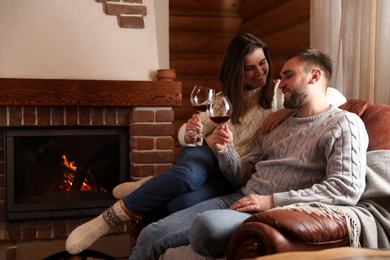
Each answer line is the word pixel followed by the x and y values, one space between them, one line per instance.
pixel 44 229
pixel 165 143
pixel 142 170
pixel 163 167
pixel 152 129
pixel 29 230
pixel 43 116
pixel 103 1
pixel 57 116
pixel 97 116
pixel 3 116
pixel 133 1
pixel 143 116
pixel 142 143
pixel 11 250
pixel 59 229
pixel 118 9
pixel 152 157
pixel 71 116
pixel 13 231
pixel 84 116
pixel 15 116
pixel 131 22
pixel 165 116
pixel 110 115
pixel 29 116
pixel 123 116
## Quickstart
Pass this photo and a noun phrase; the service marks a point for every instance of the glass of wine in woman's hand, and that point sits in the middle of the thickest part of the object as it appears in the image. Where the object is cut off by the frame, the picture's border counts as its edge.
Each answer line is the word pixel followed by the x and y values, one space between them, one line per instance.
pixel 220 112
pixel 201 98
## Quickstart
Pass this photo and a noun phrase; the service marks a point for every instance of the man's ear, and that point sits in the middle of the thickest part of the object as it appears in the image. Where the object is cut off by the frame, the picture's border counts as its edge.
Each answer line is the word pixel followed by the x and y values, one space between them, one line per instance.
pixel 315 76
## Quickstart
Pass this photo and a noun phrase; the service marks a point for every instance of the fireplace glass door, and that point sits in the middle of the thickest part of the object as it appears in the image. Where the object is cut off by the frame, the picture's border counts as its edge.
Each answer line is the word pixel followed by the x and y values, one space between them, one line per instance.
pixel 63 172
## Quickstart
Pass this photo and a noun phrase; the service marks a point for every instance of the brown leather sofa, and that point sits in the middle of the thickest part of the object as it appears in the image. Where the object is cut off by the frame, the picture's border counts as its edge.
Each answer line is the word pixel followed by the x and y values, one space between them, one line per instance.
pixel 286 230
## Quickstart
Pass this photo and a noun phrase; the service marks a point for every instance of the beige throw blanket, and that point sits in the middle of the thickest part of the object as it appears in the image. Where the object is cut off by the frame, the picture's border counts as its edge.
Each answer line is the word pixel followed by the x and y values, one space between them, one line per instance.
pixel 369 220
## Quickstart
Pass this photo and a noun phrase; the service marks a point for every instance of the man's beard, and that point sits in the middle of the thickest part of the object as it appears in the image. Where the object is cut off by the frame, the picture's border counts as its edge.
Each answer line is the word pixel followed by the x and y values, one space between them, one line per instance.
pixel 297 97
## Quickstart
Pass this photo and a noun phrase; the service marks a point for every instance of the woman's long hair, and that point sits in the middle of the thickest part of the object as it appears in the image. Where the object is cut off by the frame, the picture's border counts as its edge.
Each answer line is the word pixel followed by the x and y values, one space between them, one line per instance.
pixel 232 74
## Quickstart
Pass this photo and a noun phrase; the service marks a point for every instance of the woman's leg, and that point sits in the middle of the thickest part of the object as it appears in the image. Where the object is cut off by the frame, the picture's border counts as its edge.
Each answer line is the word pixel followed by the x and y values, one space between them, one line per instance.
pixel 216 185
pixel 210 231
pixel 193 167
pixel 172 231
pixel 85 235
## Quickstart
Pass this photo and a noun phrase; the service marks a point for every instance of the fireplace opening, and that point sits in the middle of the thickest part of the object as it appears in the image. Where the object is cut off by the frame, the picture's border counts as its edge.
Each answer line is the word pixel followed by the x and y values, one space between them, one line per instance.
pixel 63 172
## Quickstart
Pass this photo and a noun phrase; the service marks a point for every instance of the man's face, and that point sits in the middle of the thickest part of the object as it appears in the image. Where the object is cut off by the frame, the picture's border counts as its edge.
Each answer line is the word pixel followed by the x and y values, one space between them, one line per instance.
pixel 294 83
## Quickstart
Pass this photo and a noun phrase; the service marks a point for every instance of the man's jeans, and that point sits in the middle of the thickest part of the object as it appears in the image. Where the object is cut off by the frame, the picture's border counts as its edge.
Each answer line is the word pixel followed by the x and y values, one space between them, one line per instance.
pixel 173 231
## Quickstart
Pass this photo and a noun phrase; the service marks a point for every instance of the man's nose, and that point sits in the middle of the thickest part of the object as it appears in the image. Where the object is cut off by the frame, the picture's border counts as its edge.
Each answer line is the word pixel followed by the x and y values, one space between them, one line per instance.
pixel 281 84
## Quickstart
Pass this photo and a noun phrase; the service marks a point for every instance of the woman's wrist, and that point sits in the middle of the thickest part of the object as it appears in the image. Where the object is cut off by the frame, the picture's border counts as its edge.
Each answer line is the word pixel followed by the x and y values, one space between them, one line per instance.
pixel 189 139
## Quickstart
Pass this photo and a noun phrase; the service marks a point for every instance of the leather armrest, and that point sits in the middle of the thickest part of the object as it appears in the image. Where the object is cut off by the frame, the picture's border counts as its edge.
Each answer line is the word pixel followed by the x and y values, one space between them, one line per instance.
pixel 285 230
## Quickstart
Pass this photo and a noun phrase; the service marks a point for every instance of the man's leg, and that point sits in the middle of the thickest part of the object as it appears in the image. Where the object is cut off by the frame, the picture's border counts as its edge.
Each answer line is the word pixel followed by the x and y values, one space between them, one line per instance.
pixel 210 232
pixel 172 231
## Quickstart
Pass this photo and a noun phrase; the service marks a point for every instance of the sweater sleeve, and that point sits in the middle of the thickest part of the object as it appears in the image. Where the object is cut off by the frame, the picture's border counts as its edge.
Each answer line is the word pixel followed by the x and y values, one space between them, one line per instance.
pixel 238 171
pixel 345 146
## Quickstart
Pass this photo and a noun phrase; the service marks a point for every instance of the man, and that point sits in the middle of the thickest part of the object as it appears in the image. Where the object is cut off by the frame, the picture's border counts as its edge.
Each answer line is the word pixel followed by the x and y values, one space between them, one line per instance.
pixel 316 155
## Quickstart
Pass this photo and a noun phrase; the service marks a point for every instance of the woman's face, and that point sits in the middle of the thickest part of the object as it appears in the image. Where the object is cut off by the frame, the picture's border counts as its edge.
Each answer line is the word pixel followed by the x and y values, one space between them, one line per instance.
pixel 255 69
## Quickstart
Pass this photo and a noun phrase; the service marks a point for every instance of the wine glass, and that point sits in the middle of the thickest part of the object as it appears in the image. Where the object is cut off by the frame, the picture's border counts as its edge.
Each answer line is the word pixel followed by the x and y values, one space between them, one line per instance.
pixel 201 98
pixel 220 112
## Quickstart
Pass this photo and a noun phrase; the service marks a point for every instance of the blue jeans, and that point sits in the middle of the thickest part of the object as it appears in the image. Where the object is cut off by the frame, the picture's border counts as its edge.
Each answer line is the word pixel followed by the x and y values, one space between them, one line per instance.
pixel 183 185
pixel 173 231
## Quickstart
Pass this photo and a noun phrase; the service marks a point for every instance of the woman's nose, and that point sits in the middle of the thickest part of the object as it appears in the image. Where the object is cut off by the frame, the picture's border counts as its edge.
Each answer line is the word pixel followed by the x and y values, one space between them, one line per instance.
pixel 259 70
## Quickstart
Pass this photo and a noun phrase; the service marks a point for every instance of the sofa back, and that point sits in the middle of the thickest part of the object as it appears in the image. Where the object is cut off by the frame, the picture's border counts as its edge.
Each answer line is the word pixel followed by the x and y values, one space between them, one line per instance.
pixel 376 119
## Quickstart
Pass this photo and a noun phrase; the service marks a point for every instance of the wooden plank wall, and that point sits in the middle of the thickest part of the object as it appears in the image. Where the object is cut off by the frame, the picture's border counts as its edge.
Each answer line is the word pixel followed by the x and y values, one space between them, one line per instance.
pixel 201 29
pixel 199 33
pixel 282 24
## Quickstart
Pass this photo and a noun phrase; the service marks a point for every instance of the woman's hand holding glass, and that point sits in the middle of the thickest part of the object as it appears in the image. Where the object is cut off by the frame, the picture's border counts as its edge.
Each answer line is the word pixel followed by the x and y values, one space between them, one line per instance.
pixel 193 124
pixel 201 98
pixel 220 112
pixel 221 136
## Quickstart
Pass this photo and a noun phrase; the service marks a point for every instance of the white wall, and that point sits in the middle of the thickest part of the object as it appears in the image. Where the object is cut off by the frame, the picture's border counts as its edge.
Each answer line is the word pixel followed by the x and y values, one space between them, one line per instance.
pixel 75 39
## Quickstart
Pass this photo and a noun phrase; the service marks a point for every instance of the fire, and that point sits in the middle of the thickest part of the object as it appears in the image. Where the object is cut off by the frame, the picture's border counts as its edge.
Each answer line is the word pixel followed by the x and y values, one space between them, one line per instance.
pixel 69 175
pixel 70 165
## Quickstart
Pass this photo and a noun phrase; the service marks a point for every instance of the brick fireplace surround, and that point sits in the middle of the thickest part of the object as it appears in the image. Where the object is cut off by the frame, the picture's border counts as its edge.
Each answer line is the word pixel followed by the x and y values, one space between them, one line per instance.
pixel 144 106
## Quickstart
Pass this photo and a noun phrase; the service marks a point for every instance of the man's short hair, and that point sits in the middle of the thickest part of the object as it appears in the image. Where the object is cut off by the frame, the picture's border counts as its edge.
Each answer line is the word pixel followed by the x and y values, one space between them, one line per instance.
pixel 312 57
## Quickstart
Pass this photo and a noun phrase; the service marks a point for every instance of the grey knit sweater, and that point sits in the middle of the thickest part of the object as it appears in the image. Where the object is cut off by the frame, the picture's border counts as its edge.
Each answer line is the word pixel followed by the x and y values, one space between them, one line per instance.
pixel 315 159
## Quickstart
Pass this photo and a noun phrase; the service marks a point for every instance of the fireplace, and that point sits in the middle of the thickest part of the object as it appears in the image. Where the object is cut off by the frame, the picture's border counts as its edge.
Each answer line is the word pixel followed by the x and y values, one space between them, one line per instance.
pixel 141 109
pixel 63 172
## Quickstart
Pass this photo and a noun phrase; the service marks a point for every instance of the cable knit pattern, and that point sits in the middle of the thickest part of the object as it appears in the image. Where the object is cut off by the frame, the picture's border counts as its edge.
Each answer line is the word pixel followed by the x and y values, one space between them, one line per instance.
pixel 316 159
pixel 246 133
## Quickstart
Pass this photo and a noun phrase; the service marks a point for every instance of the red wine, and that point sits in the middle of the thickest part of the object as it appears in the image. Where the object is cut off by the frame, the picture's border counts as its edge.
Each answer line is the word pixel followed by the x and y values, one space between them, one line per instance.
pixel 201 108
pixel 220 119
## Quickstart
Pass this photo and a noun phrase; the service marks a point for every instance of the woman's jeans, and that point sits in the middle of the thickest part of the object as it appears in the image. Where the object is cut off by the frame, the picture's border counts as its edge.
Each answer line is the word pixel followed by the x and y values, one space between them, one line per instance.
pixel 210 231
pixel 195 177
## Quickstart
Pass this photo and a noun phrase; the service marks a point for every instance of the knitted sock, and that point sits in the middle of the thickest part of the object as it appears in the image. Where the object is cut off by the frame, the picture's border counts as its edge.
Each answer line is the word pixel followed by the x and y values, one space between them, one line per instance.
pixel 124 189
pixel 86 234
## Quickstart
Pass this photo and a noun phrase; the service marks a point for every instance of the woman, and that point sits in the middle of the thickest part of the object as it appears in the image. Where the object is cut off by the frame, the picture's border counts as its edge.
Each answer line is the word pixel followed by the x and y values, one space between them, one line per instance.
pixel 246 77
